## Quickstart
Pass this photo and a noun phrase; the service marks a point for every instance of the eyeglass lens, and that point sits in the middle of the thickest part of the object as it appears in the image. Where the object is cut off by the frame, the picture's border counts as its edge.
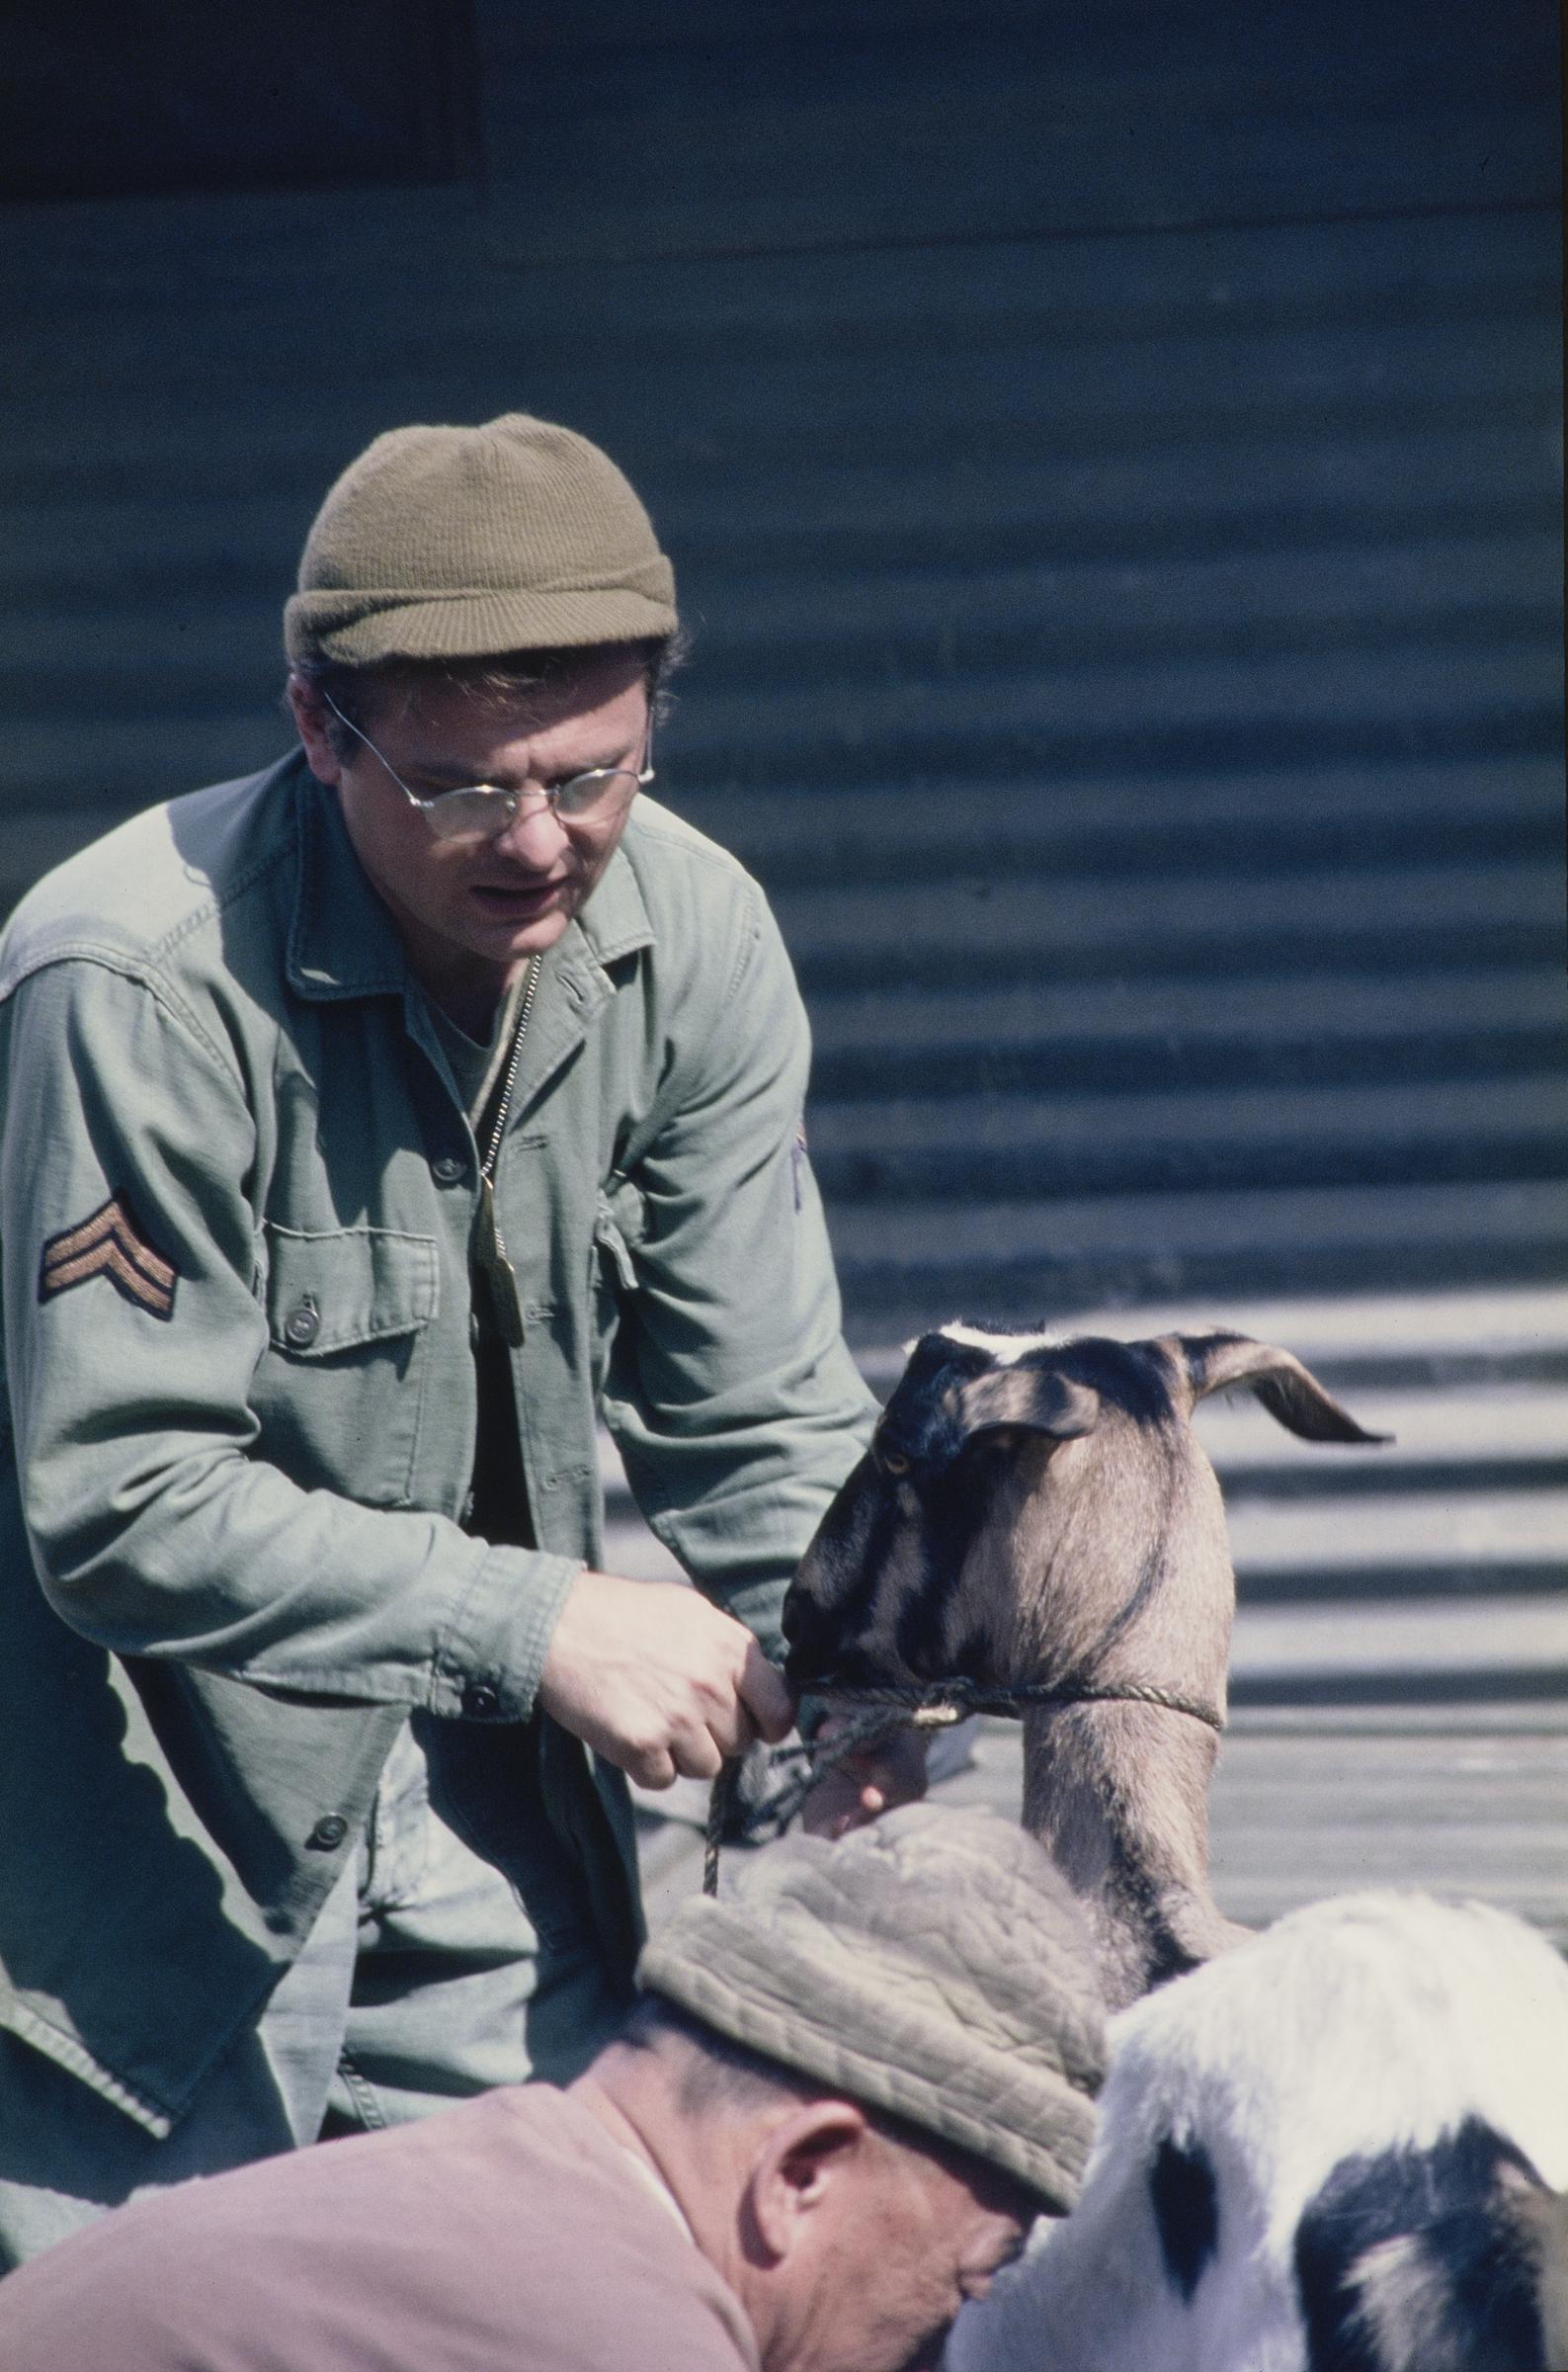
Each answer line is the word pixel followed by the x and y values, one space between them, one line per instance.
pixel 458 815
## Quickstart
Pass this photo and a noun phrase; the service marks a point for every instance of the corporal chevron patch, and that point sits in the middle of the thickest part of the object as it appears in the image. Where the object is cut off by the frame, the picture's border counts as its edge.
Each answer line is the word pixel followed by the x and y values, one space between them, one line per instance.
pixel 109 1244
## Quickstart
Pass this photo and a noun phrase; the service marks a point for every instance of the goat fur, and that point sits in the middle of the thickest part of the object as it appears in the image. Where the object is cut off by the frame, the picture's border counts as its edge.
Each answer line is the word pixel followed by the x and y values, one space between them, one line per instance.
pixel 1358 2027
pixel 1043 1511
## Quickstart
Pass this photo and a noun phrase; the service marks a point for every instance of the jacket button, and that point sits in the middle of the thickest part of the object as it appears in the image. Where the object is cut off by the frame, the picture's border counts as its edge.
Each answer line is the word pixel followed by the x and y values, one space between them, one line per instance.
pixel 303 1325
pixel 480 1702
pixel 328 1832
pixel 449 1169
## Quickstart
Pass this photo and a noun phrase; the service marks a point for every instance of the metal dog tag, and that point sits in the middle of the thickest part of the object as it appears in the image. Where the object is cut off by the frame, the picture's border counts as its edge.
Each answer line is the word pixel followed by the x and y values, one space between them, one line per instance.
pixel 490 1252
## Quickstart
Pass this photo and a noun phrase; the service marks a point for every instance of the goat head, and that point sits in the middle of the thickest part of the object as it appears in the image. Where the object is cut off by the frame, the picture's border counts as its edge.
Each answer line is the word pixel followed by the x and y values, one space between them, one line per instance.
pixel 1023 1502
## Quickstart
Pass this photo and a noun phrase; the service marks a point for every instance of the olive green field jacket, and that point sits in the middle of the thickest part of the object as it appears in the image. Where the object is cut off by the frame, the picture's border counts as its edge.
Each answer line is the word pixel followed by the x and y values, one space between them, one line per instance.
pixel 239 1190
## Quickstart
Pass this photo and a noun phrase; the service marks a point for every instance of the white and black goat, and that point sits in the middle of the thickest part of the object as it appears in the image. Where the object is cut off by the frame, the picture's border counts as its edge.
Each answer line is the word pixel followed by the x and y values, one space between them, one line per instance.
pixel 1334 2150
pixel 1331 2150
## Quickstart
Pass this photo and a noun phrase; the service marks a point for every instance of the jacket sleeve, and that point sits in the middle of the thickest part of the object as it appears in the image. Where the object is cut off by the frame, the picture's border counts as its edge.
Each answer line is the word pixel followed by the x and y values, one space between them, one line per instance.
pixel 736 1406
pixel 133 1327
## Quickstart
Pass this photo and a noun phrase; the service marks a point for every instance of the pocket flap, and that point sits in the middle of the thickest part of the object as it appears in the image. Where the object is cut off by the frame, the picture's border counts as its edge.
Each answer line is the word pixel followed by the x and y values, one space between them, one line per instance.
pixel 344 1286
pixel 618 1222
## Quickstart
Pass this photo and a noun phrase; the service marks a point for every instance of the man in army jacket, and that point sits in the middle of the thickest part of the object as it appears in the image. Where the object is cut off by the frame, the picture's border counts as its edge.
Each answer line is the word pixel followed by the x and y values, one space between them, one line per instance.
pixel 370 1126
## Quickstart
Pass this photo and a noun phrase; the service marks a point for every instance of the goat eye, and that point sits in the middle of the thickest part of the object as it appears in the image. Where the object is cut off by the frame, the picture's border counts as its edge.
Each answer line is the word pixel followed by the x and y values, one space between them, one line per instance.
pixel 894 1464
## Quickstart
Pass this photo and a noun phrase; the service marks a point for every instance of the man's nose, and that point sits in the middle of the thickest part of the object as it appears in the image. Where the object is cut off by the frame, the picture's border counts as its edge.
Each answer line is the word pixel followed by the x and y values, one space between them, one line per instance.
pixel 535 836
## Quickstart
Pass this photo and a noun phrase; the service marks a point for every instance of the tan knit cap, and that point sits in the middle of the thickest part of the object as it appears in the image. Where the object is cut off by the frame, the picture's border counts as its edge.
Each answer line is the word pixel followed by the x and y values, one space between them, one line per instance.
pixel 468 543
pixel 934 1965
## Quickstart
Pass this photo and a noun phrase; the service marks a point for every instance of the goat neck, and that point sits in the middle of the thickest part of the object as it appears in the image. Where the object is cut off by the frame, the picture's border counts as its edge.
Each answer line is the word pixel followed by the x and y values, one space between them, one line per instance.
pixel 1117 1795
pixel 1127 1581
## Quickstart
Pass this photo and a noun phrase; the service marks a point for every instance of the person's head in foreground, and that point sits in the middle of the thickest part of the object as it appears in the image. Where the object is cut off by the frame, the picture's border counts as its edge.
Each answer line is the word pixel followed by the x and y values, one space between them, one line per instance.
pixel 844 2093
pixel 866 2076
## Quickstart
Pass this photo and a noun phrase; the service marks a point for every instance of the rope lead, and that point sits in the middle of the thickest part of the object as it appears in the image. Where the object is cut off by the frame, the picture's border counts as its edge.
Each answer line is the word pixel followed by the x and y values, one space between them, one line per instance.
pixel 936 1706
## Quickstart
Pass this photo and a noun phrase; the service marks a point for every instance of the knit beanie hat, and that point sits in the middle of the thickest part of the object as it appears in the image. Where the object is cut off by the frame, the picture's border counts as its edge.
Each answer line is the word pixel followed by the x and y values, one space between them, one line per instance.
pixel 469 543
pixel 933 1965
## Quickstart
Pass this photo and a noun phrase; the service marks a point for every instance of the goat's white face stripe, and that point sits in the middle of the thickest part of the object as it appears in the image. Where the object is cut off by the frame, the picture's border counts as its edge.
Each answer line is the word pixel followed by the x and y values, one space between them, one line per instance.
pixel 1006 1349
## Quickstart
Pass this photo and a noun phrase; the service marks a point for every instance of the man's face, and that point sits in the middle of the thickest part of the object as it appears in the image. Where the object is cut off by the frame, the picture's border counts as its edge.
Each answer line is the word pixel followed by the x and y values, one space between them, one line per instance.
pixel 470 913
pixel 912 2237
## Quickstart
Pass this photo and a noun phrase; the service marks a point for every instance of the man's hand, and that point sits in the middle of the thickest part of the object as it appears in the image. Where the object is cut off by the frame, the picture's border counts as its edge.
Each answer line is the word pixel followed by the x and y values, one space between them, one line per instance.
pixel 654 1678
pixel 888 1771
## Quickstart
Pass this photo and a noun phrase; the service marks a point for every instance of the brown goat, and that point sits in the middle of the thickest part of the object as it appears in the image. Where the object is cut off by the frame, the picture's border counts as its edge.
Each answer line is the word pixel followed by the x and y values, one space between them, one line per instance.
pixel 1040 1512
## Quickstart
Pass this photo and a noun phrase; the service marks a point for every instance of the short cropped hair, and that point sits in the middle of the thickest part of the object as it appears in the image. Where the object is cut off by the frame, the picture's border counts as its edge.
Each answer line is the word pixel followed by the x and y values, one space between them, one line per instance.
pixel 502 678
pixel 715 2072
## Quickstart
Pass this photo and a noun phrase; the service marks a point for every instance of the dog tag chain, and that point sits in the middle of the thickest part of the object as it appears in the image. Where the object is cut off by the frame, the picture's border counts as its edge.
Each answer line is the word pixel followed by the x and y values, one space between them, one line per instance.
pixel 490 1247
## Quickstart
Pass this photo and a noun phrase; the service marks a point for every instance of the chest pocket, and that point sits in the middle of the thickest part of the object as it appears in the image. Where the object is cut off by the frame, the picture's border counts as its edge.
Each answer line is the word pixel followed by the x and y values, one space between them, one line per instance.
pixel 340 1389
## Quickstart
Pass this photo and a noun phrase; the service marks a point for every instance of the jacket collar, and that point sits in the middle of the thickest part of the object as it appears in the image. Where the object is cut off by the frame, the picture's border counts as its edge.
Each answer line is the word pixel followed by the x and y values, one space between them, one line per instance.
pixel 344 942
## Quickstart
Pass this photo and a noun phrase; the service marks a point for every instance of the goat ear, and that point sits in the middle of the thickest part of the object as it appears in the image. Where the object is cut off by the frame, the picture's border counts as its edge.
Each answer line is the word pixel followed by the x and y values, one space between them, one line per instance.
pixel 1034 1398
pixel 1288 1391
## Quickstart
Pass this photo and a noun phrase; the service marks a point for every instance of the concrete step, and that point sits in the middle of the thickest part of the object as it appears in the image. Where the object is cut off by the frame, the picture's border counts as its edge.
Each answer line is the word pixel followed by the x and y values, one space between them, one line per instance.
pixel 1510 1434
pixel 229 522
pixel 1459 1799
pixel 1116 1034
pixel 1473 1387
pixel 1474 1437
pixel 1165 1062
pixel 1032 822
pixel 1449 1344
pixel 908 1266
pixel 972 1146
pixel 936 621
pixel 1497 1545
pixel 1080 603
pixel 1203 362
pixel 1500 1646
pixel 1279 706
pixel 1353 1590
pixel 139 259
pixel 966 1018
pixel 1035 820
pixel 1047 121
pixel 966 909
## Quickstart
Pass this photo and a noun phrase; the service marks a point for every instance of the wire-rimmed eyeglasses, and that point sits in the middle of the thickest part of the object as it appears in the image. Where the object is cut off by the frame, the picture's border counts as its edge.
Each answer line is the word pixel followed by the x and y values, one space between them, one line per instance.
pixel 482 810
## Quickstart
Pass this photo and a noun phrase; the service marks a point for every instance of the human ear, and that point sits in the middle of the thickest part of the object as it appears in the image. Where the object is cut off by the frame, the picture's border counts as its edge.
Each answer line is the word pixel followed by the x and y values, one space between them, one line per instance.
pixel 798 2165
pixel 311 723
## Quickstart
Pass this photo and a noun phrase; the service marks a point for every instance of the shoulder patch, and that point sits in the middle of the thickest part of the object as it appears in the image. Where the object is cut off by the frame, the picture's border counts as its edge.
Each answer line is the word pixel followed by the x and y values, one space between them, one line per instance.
pixel 109 1244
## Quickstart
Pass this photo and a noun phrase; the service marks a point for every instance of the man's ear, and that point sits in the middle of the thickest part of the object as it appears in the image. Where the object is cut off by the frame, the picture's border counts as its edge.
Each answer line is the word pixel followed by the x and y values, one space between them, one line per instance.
pixel 797 2166
pixel 310 720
